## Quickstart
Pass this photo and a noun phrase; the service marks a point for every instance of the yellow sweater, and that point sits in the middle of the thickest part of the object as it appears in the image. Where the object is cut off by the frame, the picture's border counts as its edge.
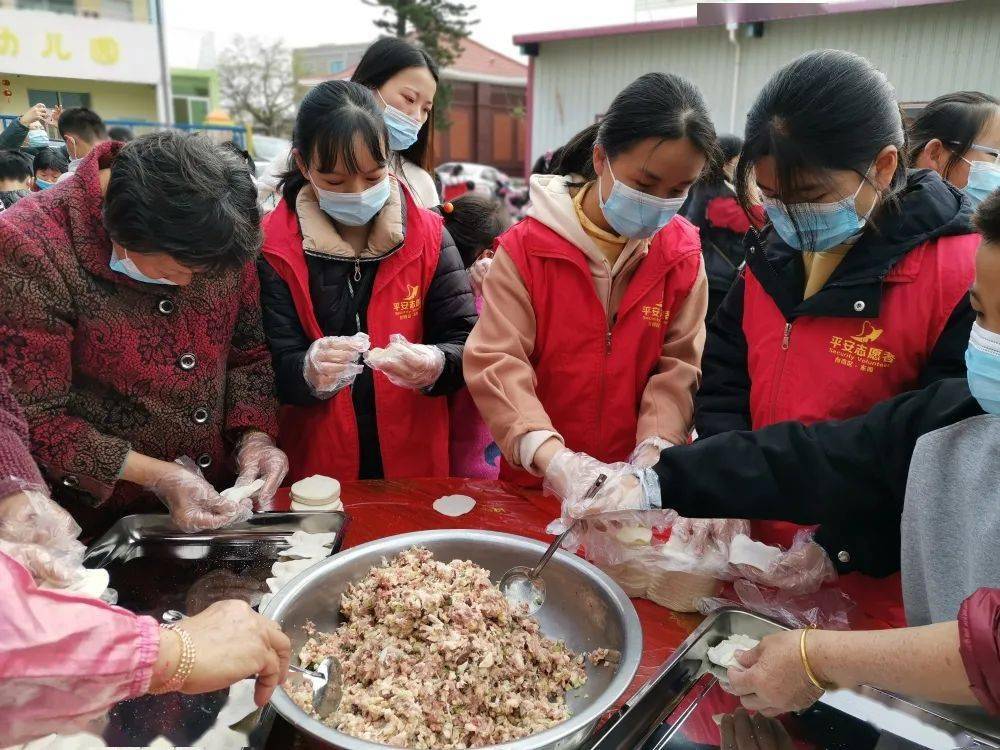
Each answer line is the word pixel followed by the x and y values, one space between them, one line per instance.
pixel 610 244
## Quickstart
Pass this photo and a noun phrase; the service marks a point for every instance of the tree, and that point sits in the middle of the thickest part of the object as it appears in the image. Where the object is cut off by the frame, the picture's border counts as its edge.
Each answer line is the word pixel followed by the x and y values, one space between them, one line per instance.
pixel 438 25
pixel 257 84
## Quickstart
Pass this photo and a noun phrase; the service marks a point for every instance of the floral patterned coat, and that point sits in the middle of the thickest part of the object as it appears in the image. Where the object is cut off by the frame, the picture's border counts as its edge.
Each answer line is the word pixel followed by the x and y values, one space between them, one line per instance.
pixel 102 364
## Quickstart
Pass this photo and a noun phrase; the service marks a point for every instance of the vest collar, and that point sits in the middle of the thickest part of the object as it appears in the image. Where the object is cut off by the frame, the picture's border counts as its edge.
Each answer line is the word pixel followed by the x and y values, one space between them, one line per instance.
pixel 320 236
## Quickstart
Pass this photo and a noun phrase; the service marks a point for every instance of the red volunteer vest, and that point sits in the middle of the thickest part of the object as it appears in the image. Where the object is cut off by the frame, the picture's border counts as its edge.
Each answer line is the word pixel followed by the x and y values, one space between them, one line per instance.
pixel 591 377
pixel 837 368
pixel 413 428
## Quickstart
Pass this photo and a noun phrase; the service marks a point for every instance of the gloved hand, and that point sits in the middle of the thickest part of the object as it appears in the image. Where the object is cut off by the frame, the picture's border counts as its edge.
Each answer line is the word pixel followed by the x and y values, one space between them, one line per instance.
pixel 193 503
pixel 477 274
pixel 570 476
pixel 332 363
pixel 700 532
pixel 42 536
pixel 801 570
pixel 647 453
pixel 257 457
pixel 407 365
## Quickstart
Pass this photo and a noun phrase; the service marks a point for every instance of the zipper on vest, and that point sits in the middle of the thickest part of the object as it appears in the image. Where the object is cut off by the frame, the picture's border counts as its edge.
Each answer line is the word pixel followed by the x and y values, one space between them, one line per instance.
pixel 787 339
pixel 357 316
pixel 357 269
pixel 607 343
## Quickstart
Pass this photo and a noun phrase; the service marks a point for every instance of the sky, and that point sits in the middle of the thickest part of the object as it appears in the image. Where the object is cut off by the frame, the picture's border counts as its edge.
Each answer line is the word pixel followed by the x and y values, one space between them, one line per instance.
pixel 303 23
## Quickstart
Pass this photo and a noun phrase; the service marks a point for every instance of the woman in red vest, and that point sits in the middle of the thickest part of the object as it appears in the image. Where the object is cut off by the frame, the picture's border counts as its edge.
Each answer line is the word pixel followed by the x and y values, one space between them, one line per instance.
pixel 591 334
pixel 857 290
pixel 354 273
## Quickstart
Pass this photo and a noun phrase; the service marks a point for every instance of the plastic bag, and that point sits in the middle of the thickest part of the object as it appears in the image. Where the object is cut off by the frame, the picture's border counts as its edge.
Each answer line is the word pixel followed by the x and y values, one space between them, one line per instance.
pixel 828 608
pixel 42 536
pixel 802 569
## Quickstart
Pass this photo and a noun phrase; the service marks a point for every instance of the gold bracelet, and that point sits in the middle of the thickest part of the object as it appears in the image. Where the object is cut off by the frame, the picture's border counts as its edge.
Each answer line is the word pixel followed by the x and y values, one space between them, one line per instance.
pixel 805 661
pixel 184 666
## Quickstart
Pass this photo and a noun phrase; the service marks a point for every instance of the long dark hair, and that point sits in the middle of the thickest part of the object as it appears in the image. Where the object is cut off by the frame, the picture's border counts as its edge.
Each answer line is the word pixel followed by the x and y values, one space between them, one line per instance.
pixel 331 116
pixel 954 119
pixel 826 110
pixel 655 105
pixel 383 60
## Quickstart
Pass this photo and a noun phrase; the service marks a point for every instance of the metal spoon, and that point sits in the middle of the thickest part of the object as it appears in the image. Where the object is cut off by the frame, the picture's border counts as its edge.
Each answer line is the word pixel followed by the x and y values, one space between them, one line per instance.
pixel 327 680
pixel 522 585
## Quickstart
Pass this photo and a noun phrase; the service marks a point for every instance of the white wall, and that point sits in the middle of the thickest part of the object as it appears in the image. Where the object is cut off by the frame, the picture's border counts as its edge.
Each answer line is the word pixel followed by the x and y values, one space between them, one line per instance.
pixel 925 51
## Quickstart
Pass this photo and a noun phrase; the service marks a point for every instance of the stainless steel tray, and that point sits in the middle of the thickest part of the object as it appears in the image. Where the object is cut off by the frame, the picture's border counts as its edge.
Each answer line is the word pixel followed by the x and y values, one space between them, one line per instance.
pixel 676 708
pixel 155 567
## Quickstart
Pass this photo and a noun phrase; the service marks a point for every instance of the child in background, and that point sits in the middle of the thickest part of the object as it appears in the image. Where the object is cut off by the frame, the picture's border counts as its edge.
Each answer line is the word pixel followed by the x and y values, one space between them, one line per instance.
pixel 15 173
pixel 474 221
pixel 48 167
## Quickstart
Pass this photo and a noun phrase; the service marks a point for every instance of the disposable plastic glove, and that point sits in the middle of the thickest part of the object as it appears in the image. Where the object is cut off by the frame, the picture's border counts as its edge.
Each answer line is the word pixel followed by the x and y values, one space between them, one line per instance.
pixel 333 363
pixel 570 476
pixel 257 457
pixel 801 570
pixel 42 536
pixel 701 532
pixel 416 366
pixel 193 503
pixel 647 453
pixel 477 274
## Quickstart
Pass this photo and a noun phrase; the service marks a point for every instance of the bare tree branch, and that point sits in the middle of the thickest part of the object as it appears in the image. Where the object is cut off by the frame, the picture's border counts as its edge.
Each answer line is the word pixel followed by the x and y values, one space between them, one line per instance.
pixel 257 83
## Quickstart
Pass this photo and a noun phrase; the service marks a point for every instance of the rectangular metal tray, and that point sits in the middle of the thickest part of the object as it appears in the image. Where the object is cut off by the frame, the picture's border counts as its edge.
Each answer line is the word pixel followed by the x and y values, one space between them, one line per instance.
pixel 155 567
pixel 675 709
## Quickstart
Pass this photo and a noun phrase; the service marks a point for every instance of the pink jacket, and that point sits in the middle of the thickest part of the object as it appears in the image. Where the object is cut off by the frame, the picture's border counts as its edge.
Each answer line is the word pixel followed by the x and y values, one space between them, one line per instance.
pixel 65 659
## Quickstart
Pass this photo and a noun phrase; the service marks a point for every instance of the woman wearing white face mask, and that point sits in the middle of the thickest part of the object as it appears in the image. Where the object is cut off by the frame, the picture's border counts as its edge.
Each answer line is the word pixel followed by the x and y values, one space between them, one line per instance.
pixel 405 79
pixel 591 333
pixel 366 302
pixel 958 136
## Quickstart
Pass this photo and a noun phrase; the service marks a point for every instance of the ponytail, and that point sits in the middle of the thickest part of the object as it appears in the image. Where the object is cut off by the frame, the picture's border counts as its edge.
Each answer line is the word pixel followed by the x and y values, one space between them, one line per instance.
pixel 474 221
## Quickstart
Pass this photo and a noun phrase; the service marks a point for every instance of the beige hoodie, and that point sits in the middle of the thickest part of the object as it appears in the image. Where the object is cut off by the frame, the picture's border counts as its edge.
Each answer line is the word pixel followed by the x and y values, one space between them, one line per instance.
pixel 497 362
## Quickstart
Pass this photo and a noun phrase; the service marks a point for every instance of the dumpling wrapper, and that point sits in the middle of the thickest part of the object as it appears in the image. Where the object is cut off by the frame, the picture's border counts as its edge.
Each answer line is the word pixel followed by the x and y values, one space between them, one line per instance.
pixel 319 538
pixel 306 551
pixel 724 653
pixel 316 490
pixel 745 551
pixel 331 507
pixel 285 569
pixel 239 494
pixel 635 536
pixel 454 506
pixel 239 705
pixel 273 584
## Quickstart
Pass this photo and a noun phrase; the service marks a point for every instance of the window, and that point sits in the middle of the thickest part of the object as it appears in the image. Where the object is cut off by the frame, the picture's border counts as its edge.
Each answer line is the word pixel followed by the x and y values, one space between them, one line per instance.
pixel 119 9
pixel 54 6
pixel 190 110
pixel 66 98
pixel 336 66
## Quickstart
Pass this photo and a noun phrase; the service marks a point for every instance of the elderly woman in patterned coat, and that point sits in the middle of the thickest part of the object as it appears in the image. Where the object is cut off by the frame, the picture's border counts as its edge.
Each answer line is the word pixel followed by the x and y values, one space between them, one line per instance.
pixel 131 328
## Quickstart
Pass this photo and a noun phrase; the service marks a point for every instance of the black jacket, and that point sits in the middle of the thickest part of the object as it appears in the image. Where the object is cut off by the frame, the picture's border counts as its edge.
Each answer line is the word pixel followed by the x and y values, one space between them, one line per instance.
pixel 341 306
pixel 849 476
pixel 722 247
pixel 928 208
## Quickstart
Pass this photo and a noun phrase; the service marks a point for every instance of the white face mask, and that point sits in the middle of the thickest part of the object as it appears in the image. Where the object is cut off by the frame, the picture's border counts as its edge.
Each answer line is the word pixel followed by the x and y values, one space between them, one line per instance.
pixel 354 209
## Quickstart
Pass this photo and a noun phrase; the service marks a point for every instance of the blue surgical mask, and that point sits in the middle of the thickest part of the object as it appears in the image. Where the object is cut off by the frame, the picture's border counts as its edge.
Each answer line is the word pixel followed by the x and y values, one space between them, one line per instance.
pixel 633 213
pixel 43 184
pixel 127 266
pixel 982 359
pixel 403 129
pixel 38 138
pixel 984 178
pixel 821 225
pixel 354 209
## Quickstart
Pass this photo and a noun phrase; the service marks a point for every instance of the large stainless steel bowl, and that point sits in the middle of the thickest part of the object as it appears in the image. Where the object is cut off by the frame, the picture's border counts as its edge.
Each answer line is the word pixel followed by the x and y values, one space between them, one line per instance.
pixel 583 606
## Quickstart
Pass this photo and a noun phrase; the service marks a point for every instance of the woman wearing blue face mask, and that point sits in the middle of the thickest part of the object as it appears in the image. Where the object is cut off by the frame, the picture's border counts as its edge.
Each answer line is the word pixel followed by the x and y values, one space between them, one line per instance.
pixel 366 302
pixel 590 337
pixel 856 290
pixel 405 79
pixel 958 136
pixel 48 166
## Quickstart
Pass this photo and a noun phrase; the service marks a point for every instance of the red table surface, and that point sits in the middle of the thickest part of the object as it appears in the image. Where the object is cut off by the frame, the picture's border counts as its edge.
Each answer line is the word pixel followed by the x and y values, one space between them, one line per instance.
pixel 379 509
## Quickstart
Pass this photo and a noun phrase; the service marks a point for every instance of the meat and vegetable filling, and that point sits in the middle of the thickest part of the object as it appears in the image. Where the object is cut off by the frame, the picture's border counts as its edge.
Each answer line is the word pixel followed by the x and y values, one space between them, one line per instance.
pixel 434 657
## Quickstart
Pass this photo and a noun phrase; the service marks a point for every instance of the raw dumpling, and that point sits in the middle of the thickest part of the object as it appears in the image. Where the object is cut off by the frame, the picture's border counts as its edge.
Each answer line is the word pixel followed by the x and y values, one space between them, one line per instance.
pixel 724 653
pixel 239 494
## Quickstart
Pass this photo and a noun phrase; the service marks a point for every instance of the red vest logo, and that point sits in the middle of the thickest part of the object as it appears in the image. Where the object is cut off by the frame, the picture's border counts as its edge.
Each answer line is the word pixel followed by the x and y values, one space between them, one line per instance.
pixel 858 352
pixel 654 315
pixel 409 306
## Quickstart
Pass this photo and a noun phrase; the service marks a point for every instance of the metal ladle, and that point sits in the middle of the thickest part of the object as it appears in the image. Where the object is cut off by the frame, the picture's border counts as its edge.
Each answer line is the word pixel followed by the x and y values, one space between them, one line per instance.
pixel 327 680
pixel 523 585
